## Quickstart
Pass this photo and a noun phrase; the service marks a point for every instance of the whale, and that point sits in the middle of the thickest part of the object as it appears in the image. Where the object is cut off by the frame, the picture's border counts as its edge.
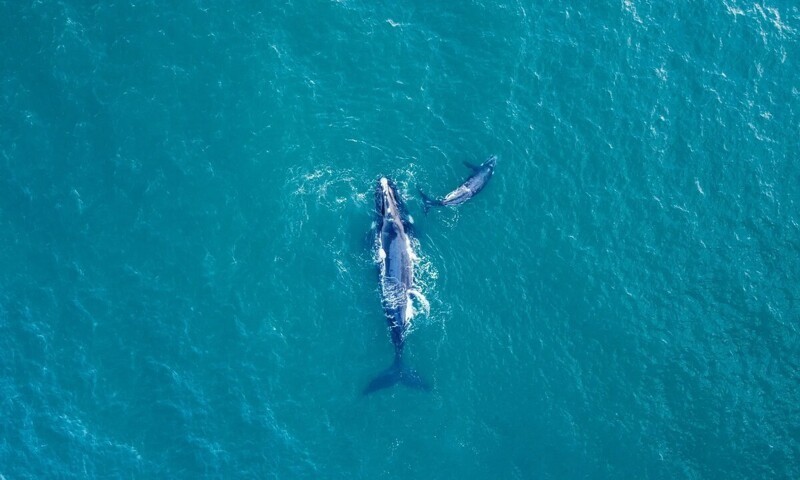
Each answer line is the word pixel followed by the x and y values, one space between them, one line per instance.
pixel 396 259
pixel 481 174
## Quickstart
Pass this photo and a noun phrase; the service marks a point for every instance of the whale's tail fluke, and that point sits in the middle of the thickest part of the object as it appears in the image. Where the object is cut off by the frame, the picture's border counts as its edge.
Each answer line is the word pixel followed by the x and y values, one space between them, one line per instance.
pixel 428 202
pixel 397 373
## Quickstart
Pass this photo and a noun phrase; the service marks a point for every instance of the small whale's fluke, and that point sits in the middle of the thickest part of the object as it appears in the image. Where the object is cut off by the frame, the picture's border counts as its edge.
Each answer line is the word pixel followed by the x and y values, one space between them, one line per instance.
pixel 428 202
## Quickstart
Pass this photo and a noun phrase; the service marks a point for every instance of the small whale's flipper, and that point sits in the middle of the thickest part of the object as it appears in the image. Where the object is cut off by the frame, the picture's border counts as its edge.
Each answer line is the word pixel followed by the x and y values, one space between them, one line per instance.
pixel 428 202
pixel 472 166
pixel 397 373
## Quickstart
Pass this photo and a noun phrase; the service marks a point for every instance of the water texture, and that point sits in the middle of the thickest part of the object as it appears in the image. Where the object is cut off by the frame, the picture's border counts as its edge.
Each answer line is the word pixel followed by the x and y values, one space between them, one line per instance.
pixel 189 288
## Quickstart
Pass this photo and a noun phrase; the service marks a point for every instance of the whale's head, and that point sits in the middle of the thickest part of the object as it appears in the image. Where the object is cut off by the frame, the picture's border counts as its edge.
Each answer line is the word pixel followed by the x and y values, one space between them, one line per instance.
pixel 383 197
pixel 387 204
pixel 490 162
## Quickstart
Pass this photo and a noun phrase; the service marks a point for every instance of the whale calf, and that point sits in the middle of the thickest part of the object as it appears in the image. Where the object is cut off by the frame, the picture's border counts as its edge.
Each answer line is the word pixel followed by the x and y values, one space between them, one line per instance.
pixel 474 184
pixel 396 260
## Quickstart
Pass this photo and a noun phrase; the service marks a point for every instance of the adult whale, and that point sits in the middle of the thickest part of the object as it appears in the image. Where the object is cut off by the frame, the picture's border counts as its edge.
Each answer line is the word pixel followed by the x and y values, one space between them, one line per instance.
pixel 396 259
pixel 474 184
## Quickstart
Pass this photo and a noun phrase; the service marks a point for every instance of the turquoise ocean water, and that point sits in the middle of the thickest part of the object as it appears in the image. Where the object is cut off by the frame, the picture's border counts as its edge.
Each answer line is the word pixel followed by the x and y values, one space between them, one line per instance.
pixel 188 287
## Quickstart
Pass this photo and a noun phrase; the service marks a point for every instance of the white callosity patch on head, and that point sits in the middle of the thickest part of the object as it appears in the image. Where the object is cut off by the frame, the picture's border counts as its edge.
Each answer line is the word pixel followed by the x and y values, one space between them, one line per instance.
pixel 394 214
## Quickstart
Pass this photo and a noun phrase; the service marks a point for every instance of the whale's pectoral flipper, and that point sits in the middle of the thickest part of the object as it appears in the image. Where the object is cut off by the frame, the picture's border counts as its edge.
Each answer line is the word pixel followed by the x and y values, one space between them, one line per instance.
pixel 397 373
pixel 369 238
pixel 472 166
pixel 416 294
